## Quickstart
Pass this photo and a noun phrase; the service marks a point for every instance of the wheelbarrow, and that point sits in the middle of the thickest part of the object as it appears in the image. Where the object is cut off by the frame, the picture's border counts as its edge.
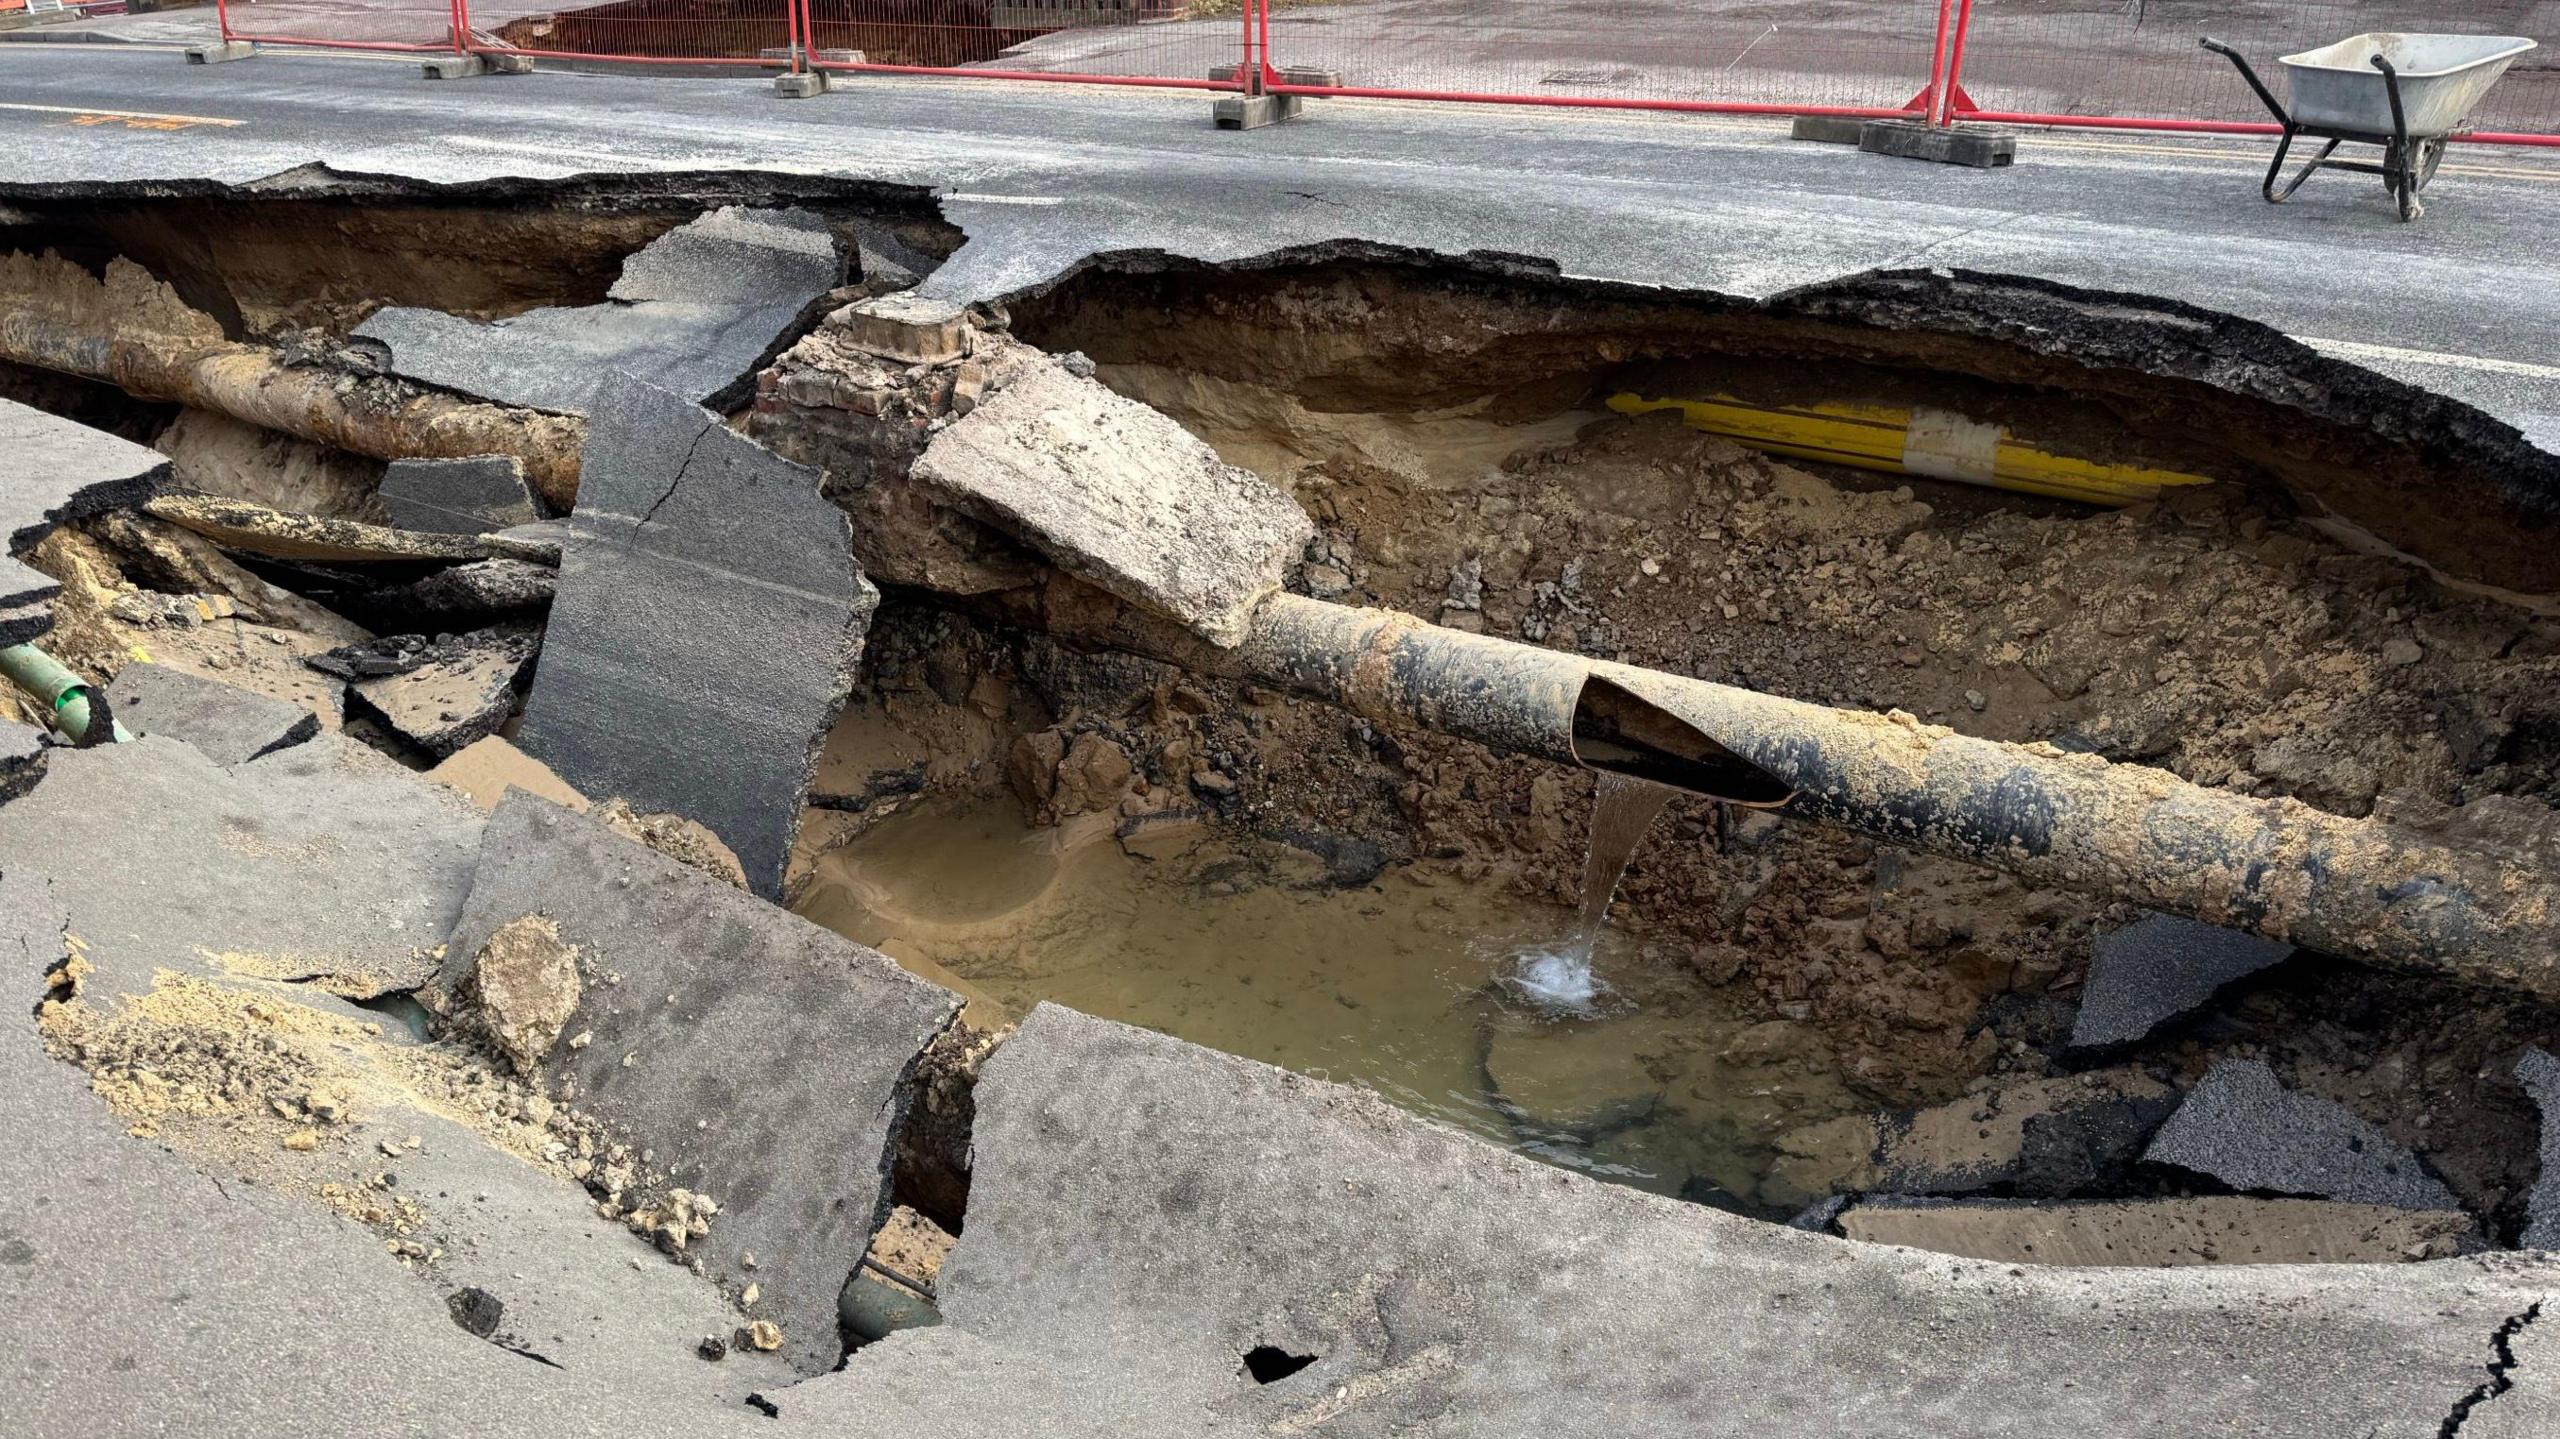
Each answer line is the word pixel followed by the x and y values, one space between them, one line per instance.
pixel 2405 93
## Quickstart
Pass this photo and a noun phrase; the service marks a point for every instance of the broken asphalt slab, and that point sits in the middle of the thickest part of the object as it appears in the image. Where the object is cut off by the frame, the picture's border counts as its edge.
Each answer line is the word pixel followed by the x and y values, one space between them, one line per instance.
pixel 2045 1137
pixel 2242 1127
pixel 53 470
pixel 2160 967
pixel 225 723
pixel 22 755
pixel 1118 494
pixel 1146 1206
pixel 467 496
pixel 761 1060
pixel 696 312
pixel 2539 1073
pixel 469 594
pixel 460 692
pixel 323 539
pixel 706 629
pixel 325 859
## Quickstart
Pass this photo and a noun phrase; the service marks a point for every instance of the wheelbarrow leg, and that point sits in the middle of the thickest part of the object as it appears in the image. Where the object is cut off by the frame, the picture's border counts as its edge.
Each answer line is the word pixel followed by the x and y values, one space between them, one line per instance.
pixel 2400 165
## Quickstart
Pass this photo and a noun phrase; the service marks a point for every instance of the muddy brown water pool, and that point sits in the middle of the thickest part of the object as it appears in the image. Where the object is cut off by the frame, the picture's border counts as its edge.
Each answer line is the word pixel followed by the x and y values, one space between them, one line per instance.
pixel 1399 986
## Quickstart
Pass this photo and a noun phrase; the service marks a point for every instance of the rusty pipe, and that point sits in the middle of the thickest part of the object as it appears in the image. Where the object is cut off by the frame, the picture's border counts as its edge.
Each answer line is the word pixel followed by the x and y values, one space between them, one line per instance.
pixel 131 331
pixel 2276 867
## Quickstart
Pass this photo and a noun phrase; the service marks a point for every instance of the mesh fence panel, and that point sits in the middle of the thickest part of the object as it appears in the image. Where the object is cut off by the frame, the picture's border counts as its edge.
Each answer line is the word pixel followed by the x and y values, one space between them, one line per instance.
pixel 737 32
pixel 1097 39
pixel 350 24
pixel 2119 57
pixel 1872 53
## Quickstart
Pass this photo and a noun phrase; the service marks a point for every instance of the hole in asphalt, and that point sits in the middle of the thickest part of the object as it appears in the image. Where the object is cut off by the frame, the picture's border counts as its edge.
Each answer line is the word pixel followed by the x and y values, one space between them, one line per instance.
pixel 1269 1363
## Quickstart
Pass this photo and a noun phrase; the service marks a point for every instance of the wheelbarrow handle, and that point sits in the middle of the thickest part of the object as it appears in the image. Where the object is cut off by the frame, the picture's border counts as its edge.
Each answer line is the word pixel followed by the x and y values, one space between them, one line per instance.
pixel 2265 96
pixel 2391 87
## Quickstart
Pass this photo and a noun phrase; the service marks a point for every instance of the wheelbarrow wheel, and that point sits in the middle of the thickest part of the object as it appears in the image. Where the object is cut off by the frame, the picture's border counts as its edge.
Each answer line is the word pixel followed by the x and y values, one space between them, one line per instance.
pixel 2423 157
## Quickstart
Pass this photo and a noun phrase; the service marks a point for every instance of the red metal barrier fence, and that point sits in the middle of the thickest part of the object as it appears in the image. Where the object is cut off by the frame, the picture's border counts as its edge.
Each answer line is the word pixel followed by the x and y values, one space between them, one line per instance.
pixel 2105 63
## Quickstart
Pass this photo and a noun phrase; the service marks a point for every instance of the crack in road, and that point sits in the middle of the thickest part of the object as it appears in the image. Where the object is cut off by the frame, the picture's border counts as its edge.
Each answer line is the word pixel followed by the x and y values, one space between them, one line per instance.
pixel 2502 1346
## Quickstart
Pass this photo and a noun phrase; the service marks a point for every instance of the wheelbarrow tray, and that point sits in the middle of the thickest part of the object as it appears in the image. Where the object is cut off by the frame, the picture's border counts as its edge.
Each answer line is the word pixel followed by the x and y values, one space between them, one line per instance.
pixel 2337 90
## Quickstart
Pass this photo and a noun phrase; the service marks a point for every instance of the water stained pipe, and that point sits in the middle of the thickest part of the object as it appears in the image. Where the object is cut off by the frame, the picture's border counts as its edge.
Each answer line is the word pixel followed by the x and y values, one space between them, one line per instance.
pixel 2277 867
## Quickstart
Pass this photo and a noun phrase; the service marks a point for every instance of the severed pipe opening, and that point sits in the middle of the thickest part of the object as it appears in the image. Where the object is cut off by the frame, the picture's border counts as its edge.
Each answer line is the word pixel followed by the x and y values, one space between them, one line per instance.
pixel 1617 731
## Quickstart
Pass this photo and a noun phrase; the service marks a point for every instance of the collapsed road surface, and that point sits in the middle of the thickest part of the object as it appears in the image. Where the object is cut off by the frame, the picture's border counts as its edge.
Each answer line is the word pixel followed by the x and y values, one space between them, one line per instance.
pixel 2116 936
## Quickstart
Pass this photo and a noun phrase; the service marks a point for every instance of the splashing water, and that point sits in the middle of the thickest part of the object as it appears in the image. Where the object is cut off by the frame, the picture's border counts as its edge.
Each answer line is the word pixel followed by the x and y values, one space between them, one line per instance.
pixel 1559 978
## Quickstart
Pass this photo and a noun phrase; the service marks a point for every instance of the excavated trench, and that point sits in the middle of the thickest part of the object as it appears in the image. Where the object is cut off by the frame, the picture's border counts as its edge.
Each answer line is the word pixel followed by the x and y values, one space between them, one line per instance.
pixel 2260 607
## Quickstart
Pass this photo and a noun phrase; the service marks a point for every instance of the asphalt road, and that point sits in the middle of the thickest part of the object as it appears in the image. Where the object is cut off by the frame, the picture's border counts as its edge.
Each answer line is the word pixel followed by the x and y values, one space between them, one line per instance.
pixel 1042 177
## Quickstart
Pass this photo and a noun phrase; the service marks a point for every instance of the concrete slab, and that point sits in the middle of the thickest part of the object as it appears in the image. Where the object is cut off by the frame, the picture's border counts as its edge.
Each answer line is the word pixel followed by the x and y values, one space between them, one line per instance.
pixel 760 1059
pixel 1118 494
pixel 323 860
pixel 22 755
pixel 469 496
pixel 322 539
pixel 709 618
pixel 2159 967
pixel 463 691
pixel 697 311
pixel 229 725
pixel 2241 1126
pixel 2204 1229
pixel 2539 1073
pixel 1145 1205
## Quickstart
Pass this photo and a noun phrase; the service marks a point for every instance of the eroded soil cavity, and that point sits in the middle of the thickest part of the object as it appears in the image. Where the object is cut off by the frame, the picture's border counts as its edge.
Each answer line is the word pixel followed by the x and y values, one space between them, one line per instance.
pixel 2261 607
pixel 1453 437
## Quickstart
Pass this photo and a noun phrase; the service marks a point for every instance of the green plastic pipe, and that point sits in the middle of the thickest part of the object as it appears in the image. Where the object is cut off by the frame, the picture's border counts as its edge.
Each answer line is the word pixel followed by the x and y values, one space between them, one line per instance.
pixel 64 695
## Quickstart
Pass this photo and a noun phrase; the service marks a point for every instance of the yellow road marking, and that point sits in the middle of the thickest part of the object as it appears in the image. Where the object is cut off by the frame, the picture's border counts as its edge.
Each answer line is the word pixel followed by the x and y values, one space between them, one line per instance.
pixel 130 119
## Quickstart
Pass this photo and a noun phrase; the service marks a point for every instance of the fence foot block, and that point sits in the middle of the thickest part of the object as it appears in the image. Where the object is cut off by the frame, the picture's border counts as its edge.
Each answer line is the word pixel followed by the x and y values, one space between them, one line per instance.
pixel 1961 145
pixel 1828 129
pixel 806 85
pixel 1252 112
pixel 222 53
pixel 463 67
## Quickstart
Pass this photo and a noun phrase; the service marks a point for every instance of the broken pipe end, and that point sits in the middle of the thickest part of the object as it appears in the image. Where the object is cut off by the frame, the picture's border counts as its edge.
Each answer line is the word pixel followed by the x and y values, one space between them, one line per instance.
pixel 1616 730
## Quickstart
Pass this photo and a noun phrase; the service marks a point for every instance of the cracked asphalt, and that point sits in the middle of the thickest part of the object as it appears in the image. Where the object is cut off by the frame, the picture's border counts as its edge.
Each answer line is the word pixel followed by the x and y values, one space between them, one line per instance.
pixel 1044 177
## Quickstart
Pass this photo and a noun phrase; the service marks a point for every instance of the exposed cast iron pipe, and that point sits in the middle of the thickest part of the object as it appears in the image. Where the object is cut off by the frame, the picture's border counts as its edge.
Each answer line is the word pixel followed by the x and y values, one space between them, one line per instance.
pixel 2273 866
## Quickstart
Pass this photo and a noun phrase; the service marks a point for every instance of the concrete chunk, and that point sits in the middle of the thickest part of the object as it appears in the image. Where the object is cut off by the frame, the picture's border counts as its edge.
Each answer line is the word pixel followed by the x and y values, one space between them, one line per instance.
pixel 285 535
pixel 2160 967
pixel 697 311
pixel 2241 1126
pixel 760 1059
pixel 323 860
pixel 461 693
pixel 1116 493
pixel 458 497
pixel 1146 1206
pixel 1948 145
pixel 904 326
pixel 709 618
pixel 2539 1073
pixel 229 724
pixel 2205 1229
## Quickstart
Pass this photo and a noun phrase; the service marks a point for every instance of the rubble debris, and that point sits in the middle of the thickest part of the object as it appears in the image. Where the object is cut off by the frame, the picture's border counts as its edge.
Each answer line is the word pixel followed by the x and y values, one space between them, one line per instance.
pixel 696 312
pixel 325 861
pixel 2047 1137
pixel 466 496
pixel 228 724
pixel 2202 1229
pixel 524 984
pixel 180 561
pixel 674 836
pixel 1119 495
pixel 2159 967
pixel 470 594
pixel 757 1057
pixel 695 559
pixel 277 534
pixel 486 768
pixel 2539 1073
pixel 1150 1210
pixel 2242 1127
pixel 450 692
